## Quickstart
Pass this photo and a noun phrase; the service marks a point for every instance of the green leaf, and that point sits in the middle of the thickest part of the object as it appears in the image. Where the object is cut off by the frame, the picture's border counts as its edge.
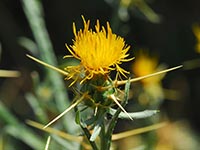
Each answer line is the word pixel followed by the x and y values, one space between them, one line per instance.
pixel 135 115
pixel 65 143
pixel 26 135
pixel 96 132
pixel 19 130
pixel 6 116
pixel 77 117
pixel 38 110
pixel 34 13
pixel 29 45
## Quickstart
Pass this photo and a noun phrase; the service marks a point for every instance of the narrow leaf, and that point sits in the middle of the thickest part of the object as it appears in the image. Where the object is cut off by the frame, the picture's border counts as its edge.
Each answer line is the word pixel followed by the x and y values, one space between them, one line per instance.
pixel 135 115
pixel 96 132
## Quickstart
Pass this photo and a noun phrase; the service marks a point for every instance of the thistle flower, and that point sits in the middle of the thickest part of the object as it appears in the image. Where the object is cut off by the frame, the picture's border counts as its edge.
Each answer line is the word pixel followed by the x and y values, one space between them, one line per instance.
pixel 145 64
pixel 99 52
pixel 196 31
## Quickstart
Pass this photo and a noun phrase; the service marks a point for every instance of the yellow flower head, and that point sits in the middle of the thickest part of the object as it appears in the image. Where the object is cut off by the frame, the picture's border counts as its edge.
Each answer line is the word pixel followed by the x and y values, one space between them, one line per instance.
pixel 144 65
pixel 196 30
pixel 99 52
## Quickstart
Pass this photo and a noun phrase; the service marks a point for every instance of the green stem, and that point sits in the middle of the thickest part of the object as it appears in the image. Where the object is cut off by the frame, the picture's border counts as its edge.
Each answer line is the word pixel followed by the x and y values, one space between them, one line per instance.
pixel 85 130
pixel 102 136
pixel 108 136
pixel 88 135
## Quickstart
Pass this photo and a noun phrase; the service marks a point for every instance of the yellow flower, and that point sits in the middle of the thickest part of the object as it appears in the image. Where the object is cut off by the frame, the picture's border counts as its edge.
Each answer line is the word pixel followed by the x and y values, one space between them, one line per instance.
pixel 147 64
pixel 144 65
pixel 196 31
pixel 99 52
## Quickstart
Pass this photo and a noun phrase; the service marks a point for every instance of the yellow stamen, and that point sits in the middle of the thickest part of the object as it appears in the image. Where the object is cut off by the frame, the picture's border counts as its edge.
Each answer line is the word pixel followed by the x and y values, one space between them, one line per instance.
pixel 99 52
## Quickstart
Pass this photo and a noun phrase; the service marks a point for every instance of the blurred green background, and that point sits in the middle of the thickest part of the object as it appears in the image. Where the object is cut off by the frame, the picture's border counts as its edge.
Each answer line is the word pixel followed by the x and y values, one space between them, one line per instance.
pixel 163 27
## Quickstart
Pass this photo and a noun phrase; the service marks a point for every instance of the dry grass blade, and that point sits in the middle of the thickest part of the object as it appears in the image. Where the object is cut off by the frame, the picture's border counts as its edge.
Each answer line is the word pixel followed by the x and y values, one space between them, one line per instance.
pixel 9 73
pixel 55 131
pixel 78 139
pixel 137 131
